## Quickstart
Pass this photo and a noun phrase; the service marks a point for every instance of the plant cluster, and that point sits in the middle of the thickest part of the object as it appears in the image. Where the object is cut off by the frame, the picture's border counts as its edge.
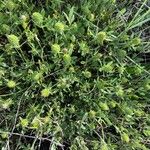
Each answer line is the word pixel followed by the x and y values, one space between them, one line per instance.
pixel 72 74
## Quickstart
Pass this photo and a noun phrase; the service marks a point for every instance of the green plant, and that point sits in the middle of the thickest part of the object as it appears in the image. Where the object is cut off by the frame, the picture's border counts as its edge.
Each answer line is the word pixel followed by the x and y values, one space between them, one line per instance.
pixel 73 75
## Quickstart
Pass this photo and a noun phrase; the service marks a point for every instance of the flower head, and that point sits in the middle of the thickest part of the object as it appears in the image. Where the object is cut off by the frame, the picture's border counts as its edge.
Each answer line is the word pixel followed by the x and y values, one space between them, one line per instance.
pixel 101 37
pixel 59 27
pixel 46 92
pixel 104 106
pixel 37 18
pixel 11 84
pixel 13 40
pixel 67 58
pixel 55 48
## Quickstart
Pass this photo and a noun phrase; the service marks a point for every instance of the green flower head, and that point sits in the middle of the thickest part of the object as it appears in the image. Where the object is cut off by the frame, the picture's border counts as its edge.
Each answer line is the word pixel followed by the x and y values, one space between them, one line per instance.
pixel 24 122
pixel 55 48
pixel 136 41
pixel 11 84
pixel 112 104
pixel 104 146
pixel 59 26
pixel 37 18
pixel 92 114
pixel 46 92
pixel 107 67
pixel 10 5
pixel 125 138
pixel 104 106
pixel 101 37
pixel 5 28
pixel 87 74
pixel 13 40
pixel 67 58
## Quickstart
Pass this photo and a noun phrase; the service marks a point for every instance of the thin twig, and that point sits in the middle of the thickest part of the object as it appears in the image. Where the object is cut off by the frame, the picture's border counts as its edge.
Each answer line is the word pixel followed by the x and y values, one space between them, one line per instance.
pixel 36 137
pixel 17 113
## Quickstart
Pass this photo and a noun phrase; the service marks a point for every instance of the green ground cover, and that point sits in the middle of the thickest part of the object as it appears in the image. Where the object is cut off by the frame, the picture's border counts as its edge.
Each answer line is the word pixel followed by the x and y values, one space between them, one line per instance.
pixel 74 74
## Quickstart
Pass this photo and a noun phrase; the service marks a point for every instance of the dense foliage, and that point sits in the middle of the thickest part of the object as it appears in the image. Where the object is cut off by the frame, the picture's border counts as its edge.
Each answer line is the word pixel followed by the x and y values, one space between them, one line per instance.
pixel 73 75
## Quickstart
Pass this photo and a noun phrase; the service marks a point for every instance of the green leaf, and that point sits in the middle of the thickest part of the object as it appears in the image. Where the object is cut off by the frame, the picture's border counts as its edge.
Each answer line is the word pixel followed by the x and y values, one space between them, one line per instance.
pixel 70 17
